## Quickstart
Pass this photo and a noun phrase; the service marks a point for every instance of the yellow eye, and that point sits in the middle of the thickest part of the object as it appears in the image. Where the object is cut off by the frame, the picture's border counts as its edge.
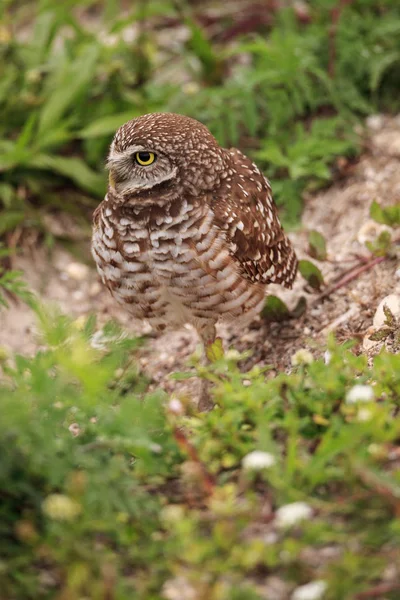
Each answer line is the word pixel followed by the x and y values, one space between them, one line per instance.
pixel 145 158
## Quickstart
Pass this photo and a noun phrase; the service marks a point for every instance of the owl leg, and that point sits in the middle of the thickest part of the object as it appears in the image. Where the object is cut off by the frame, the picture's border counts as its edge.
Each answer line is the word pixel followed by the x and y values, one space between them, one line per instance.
pixel 208 337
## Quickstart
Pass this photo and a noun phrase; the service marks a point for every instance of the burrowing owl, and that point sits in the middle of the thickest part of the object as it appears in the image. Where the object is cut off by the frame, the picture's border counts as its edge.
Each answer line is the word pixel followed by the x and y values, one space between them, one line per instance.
pixel 188 231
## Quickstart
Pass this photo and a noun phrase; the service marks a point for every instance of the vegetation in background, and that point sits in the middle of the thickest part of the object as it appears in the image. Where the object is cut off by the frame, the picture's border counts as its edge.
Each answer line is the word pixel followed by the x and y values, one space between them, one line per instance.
pixel 288 91
pixel 108 492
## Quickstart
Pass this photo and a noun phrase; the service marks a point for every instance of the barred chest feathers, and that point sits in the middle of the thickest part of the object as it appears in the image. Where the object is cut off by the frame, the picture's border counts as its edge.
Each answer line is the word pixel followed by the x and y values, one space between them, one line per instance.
pixel 171 265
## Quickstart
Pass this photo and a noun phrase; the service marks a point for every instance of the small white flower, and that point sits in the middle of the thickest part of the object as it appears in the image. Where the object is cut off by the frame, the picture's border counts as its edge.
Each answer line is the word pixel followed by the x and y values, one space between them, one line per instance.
pixel 302 357
pixel 310 591
pixel 360 393
pixel 364 414
pixel 257 460
pixel 61 508
pixel 327 357
pixel 175 406
pixel 74 429
pixel 290 514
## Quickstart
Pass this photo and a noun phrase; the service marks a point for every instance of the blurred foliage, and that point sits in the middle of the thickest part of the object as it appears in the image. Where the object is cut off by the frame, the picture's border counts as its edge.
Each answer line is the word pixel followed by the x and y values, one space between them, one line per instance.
pixel 285 91
pixel 104 496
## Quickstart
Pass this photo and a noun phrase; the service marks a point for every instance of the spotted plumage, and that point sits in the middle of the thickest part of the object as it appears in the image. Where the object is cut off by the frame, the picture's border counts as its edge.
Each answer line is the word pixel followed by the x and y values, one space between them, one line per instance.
pixel 191 237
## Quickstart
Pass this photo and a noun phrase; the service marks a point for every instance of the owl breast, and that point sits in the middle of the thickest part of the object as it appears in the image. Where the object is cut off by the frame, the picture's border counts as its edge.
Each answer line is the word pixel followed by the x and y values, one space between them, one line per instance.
pixel 171 267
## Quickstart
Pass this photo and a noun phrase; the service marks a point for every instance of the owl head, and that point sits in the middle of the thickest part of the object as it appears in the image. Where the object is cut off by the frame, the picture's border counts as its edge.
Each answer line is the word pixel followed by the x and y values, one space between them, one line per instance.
pixel 161 154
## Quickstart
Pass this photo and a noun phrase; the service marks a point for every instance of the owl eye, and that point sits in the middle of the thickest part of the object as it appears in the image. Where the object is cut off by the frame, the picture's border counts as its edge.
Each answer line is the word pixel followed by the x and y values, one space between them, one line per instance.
pixel 145 158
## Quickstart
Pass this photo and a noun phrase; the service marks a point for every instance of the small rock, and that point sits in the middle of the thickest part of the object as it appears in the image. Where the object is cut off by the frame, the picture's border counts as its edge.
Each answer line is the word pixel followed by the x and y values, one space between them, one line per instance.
pixel 179 588
pixel 375 122
pixel 94 289
pixel 388 142
pixel 310 591
pixel 367 343
pixel 370 230
pixel 77 271
pixel 393 303
pixel 78 295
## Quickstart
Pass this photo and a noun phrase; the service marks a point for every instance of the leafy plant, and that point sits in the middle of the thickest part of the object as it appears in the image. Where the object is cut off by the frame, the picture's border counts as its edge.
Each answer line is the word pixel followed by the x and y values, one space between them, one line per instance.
pixel 311 274
pixel 107 490
pixel 65 88
pixel 317 245
pixel 388 215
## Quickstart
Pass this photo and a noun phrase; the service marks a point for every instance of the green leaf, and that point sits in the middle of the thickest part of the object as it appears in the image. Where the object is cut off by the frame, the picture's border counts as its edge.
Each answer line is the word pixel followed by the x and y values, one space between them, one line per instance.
pixel 380 66
pixel 107 125
pixel 311 274
pixel 273 154
pixel 215 351
pixel 388 215
pixel 382 245
pixel 275 309
pixel 317 245
pixel 73 168
pixel 10 219
pixel 390 319
pixel 73 79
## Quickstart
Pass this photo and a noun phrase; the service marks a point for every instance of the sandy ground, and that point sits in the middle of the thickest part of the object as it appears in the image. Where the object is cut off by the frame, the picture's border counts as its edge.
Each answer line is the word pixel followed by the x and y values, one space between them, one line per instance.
pixel 340 213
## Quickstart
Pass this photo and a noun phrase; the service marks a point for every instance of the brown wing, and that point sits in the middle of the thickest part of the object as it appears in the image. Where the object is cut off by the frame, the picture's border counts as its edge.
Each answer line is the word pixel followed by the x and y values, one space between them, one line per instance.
pixel 248 215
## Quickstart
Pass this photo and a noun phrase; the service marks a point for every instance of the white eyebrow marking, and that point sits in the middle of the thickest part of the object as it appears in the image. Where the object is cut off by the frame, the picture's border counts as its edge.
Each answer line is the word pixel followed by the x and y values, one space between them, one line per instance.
pixel 115 156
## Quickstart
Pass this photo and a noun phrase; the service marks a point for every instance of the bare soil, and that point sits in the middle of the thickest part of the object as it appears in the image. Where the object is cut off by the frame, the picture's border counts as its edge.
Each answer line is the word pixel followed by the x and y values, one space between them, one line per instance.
pixel 340 213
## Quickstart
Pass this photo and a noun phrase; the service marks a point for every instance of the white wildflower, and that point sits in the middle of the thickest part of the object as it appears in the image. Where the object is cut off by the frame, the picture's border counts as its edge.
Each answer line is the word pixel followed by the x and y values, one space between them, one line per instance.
pixel 364 414
pixel 175 406
pixel 61 508
pixel 257 460
pixel 74 429
pixel 360 393
pixel 290 514
pixel 327 357
pixel 302 357
pixel 310 591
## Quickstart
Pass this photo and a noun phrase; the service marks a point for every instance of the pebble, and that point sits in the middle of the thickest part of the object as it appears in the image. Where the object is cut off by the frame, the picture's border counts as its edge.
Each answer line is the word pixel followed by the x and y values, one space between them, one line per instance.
pixel 77 271
pixel 310 591
pixel 392 301
pixel 367 343
pixel 94 289
pixel 370 230
pixel 375 122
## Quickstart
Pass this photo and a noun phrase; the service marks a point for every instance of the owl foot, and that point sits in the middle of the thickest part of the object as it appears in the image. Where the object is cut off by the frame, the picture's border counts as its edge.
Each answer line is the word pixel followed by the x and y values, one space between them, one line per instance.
pixel 213 351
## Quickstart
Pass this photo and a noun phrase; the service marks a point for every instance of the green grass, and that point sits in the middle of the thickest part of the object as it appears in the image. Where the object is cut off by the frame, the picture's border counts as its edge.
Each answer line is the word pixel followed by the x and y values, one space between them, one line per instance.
pixel 110 492
pixel 107 491
pixel 65 88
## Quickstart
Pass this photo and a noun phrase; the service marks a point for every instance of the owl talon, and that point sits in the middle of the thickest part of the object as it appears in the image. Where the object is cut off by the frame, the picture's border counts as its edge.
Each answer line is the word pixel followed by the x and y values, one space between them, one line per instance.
pixel 214 350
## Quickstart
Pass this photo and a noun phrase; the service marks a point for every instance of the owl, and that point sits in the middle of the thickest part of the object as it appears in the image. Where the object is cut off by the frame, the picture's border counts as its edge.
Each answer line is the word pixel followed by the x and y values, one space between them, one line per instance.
pixel 188 231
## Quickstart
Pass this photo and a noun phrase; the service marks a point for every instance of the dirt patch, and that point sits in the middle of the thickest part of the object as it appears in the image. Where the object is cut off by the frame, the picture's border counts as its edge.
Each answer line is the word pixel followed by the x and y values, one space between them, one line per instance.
pixel 340 213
